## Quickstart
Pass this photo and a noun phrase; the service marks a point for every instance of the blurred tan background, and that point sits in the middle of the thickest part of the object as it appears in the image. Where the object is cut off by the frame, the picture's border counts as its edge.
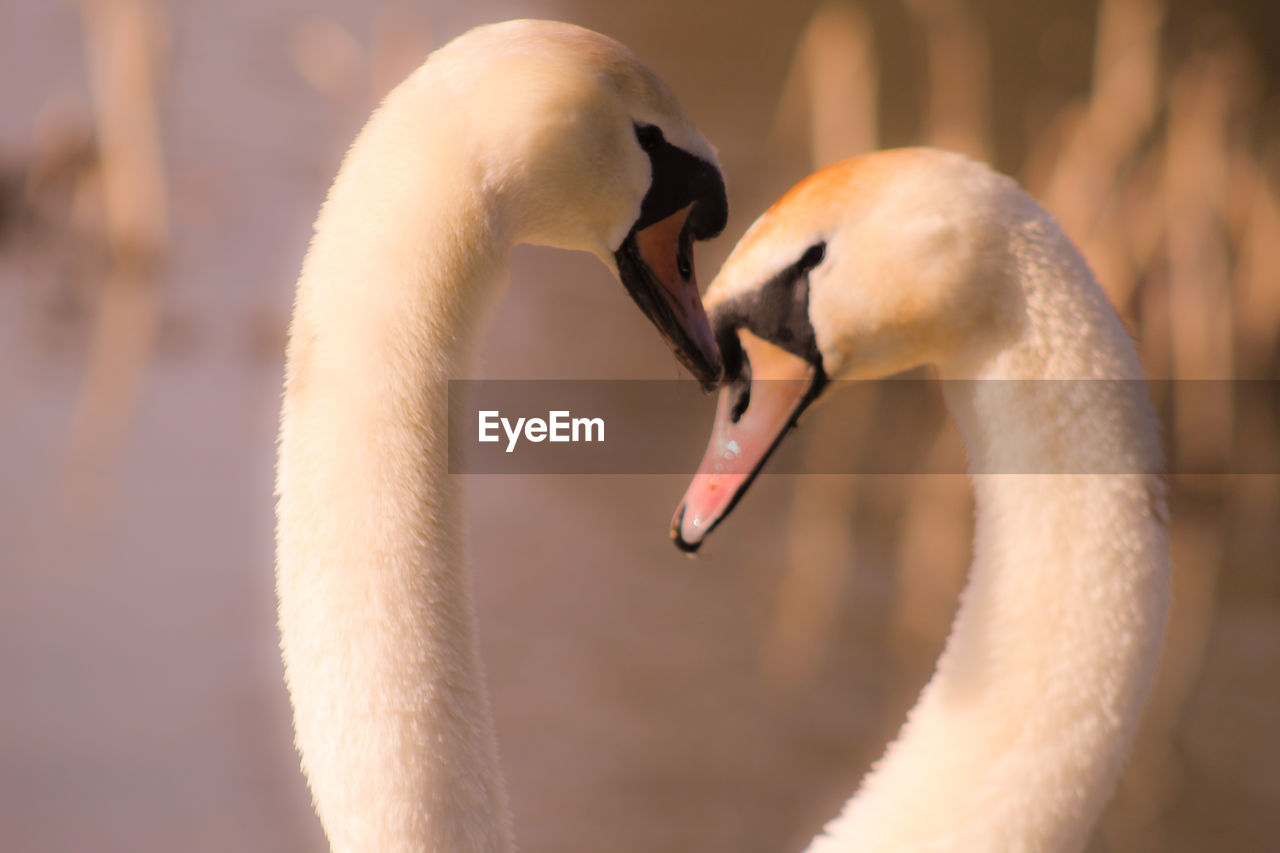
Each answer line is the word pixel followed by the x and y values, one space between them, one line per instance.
pixel 160 164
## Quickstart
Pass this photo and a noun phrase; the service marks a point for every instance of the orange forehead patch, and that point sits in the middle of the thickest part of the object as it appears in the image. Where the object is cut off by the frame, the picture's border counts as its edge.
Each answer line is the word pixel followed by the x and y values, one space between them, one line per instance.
pixel 839 185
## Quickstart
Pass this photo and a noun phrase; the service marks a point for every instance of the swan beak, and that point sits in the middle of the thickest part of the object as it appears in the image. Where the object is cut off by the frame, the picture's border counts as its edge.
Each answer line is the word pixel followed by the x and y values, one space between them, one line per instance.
pixel 649 268
pixel 752 416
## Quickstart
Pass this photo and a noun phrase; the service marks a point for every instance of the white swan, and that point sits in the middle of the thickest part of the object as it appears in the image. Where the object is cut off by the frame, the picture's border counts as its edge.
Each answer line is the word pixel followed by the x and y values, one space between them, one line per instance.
pixel 518 132
pixel 901 258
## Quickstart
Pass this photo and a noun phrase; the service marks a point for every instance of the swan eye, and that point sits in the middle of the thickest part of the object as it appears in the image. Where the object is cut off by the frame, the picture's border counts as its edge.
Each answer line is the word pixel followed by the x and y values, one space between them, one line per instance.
pixel 649 136
pixel 812 257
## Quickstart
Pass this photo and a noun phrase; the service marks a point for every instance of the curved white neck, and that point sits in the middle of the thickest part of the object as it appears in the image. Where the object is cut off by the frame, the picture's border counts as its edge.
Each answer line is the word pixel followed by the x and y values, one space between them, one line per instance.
pixel 1017 741
pixel 391 715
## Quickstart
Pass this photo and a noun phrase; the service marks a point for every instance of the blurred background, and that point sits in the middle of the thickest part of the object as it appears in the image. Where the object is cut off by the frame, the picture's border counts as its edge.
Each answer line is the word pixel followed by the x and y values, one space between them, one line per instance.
pixel 160 165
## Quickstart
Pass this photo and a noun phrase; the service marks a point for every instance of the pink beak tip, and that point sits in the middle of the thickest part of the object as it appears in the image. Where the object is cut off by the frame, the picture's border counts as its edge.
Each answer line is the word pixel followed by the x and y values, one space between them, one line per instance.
pixel 685 536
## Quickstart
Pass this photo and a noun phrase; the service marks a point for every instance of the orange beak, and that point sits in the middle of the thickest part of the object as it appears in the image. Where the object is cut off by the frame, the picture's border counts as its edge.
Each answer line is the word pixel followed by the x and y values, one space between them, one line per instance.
pixel 655 264
pixel 753 414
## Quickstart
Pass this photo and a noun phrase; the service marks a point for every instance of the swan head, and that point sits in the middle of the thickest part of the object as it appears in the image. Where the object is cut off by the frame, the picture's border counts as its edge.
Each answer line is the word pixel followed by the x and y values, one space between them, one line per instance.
pixel 593 152
pixel 867 268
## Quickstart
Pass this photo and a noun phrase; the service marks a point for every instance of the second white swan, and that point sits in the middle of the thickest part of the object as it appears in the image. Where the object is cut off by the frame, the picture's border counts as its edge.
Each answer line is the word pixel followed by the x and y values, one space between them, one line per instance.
pixel 911 257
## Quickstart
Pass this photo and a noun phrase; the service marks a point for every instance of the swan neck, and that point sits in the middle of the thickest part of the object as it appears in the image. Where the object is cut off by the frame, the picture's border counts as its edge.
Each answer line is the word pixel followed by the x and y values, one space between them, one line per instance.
pixel 392 719
pixel 1018 740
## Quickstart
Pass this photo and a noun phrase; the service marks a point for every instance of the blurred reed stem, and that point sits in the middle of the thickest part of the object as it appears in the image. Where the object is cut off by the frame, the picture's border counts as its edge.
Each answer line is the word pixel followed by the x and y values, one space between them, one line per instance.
pixel 832 83
pixel 123 41
pixel 957 115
